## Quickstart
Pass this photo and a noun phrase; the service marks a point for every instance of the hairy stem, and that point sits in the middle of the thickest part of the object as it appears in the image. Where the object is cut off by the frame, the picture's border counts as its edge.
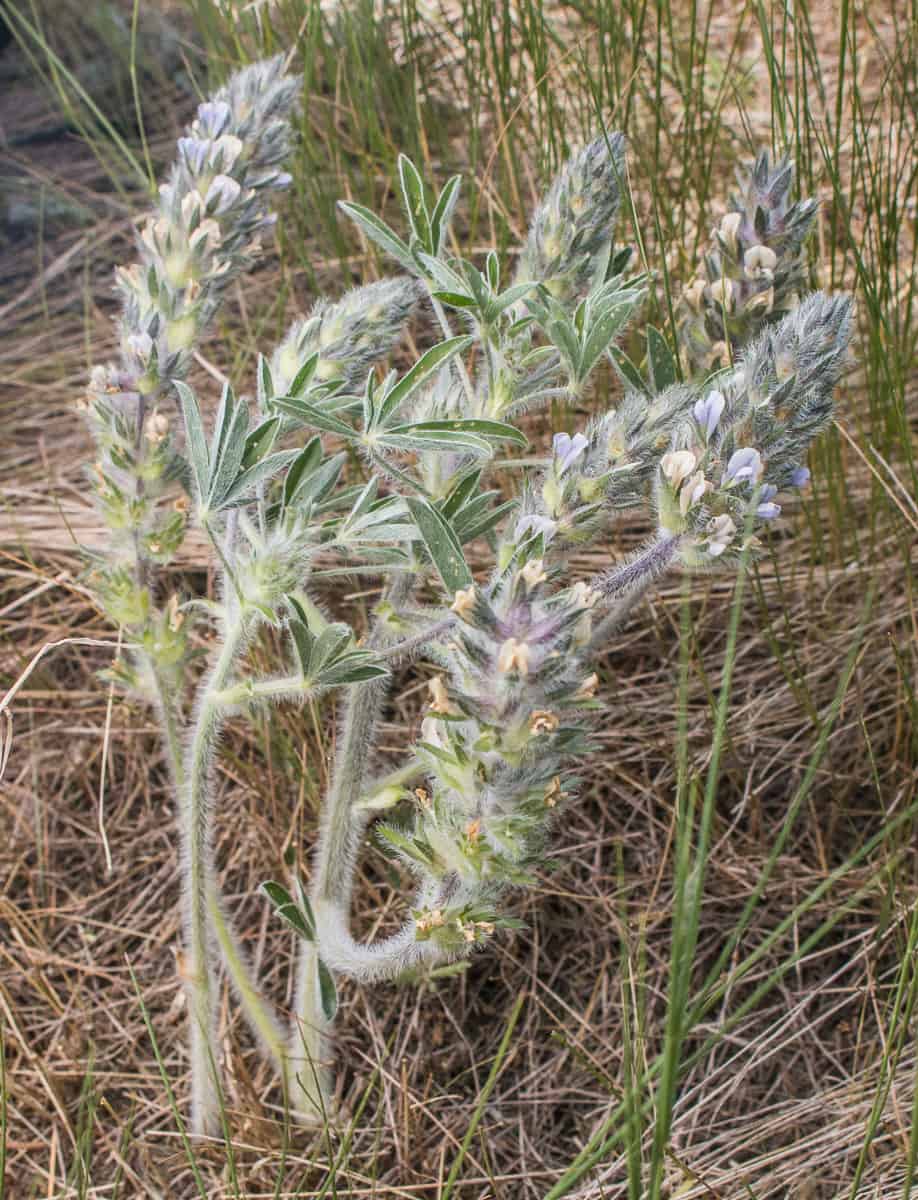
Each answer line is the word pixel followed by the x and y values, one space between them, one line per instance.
pixel 198 882
pixel 636 575
pixel 340 833
pixel 628 585
pixel 385 959
pixel 257 1010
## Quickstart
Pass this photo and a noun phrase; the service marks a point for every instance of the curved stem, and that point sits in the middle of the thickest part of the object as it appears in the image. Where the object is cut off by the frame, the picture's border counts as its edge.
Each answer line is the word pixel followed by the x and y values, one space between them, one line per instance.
pixel 340 833
pixel 258 1012
pixel 385 959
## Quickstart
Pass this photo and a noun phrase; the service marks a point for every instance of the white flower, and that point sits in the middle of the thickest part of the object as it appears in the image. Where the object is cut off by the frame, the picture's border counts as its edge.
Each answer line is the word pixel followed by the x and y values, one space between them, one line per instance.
pixel 677 465
pixel 759 262
pixel 721 533
pixel 692 491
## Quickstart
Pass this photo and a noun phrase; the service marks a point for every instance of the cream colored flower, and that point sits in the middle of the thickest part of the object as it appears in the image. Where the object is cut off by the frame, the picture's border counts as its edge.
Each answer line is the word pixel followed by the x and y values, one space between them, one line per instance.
pixel 694 294
pixel 513 656
pixel 439 698
pixel 677 465
pixel 583 596
pixel 722 292
pixel 762 302
pixel 587 689
pixel 543 721
pixel 759 262
pixel 430 919
pixel 721 532
pixel 464 601
pixel 533 573
pixel 729 228
pixel 692 491
pixel 553 792
pixel 156 429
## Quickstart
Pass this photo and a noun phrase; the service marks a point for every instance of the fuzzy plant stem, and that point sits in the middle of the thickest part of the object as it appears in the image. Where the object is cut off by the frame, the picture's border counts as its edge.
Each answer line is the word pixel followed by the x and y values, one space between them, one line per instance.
pixel 627 585
pixel 203 913
pixel 257 1010
pixel 340 832
pixel 197 883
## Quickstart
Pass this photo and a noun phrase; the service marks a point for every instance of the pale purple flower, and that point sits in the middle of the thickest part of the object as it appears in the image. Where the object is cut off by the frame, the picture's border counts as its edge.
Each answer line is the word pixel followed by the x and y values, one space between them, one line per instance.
pixel 800 477
pixel 766 509
pixel 222 194
pixel 532 523
pixel 141 345
pixel 195 151
pixel 709 411
pixel 744 464
pixel 568 449
pixel 213 117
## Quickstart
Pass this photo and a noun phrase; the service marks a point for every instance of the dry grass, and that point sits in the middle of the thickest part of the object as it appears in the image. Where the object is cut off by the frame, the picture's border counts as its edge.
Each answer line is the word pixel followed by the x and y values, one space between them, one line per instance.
pixel 779 1107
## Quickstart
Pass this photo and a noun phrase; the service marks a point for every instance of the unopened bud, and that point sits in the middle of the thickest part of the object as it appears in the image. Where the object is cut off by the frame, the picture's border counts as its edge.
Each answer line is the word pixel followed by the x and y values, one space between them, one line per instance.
pixel 729 228
pixel 513 656
pixel 157 428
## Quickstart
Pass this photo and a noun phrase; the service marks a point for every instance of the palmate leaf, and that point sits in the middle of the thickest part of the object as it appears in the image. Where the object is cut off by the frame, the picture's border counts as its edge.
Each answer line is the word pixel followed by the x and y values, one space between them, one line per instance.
pixel 443 213
pixel 441 544
pixel 661 363
pixel 260 472
pixel 198 455
pixel 311 414
pixel 380 233
pixel 415 201
pixel 300 920
pixel 470 435
pixel 429 362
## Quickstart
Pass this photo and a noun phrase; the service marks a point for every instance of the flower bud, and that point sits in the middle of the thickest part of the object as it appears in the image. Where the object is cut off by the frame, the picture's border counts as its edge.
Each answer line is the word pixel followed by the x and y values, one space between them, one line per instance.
pixel 156 429
pixel 729 229
pixel 722 293
pixel 513 656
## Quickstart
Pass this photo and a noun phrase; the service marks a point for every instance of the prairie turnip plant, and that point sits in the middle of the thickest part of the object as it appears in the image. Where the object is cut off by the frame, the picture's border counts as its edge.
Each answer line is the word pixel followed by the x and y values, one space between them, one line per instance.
pixel 338 462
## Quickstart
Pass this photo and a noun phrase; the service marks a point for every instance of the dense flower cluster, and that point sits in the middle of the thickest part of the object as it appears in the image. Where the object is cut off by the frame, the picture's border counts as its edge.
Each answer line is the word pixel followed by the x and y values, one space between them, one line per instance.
pixel 570 238
pixel 204 231
pixel 752 273
pixel 347 337
pixel 496 746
